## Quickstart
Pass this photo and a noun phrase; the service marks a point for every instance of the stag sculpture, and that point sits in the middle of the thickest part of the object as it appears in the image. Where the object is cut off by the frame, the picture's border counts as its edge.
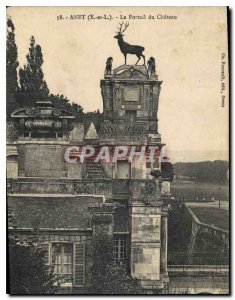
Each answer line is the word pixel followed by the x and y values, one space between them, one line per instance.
pixel 127 48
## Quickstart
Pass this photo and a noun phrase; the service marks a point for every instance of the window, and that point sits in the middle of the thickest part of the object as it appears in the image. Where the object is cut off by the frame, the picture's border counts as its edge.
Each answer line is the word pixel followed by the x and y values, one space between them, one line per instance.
pixel 68 260
pixel 120 249
pixel 62 257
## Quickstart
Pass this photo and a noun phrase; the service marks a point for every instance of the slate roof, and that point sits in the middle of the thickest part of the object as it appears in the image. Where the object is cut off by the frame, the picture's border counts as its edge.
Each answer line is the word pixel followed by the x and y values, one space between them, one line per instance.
pixel 60 212
pixel 52 212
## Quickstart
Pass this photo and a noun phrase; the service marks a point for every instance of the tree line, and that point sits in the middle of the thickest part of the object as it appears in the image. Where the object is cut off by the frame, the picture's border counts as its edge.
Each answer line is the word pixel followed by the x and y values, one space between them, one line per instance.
pixel 27 85
pixel 207 171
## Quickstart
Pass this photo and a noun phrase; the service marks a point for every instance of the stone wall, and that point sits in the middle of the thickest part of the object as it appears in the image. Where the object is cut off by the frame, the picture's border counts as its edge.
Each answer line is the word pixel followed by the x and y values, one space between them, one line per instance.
pixel 42 161
pixel 145 261
pixel 146 224
pixel 41 187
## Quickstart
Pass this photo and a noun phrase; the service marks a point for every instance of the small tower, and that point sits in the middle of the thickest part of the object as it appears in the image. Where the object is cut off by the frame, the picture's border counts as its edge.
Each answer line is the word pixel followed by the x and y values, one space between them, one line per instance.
pixel 131 94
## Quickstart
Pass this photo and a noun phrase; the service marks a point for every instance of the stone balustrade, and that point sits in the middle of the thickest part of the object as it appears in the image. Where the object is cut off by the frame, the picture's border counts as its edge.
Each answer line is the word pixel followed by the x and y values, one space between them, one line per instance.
pixel 143 190
pixel 124 131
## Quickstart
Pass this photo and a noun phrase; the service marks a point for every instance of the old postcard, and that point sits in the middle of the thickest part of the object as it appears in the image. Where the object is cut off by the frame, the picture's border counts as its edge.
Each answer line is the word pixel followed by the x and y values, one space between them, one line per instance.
pixel 118 150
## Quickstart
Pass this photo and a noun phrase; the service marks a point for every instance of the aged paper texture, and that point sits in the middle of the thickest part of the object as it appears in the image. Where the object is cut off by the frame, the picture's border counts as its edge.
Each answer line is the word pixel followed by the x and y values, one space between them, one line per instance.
pixel 118 150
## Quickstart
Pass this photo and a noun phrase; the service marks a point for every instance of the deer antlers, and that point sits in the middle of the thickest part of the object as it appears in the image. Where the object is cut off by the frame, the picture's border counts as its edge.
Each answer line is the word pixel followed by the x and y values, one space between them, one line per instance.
pixel 120 28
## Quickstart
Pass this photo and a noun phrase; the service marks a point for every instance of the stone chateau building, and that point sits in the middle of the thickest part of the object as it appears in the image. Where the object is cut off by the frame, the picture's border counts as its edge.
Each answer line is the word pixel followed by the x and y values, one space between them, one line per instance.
pixel 62 201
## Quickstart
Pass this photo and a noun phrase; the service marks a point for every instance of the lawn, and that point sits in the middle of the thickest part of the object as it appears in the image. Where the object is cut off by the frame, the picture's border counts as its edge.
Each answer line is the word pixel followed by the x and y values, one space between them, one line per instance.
pixel 189 191
pixel 212 216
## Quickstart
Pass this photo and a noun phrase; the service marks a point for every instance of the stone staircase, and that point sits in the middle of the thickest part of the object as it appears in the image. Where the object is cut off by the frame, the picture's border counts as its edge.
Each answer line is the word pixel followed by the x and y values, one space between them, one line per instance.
pixel 94 171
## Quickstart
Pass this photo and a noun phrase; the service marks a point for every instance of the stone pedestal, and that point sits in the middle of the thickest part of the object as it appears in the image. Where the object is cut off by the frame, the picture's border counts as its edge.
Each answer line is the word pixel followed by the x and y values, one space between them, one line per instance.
pixel 146 245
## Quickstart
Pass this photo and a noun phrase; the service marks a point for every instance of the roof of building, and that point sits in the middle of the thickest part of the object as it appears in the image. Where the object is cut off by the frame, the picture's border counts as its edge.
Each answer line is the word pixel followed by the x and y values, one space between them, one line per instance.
pixel 60 212
pixel 52 212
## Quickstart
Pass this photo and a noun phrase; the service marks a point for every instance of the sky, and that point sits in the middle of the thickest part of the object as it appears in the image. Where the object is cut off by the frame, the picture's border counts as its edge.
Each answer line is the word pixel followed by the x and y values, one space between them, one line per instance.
pixel 188 51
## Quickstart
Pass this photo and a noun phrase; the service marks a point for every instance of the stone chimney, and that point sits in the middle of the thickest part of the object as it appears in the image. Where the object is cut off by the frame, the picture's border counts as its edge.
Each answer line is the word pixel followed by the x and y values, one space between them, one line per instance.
pixel 102 218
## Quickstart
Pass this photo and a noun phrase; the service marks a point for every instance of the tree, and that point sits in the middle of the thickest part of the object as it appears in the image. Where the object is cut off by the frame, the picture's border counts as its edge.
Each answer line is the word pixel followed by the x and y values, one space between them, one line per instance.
pixel 62 102
pixel 77 110
pixel 33 87
pixel 28 272
pixel 108 277
pixel 11 68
